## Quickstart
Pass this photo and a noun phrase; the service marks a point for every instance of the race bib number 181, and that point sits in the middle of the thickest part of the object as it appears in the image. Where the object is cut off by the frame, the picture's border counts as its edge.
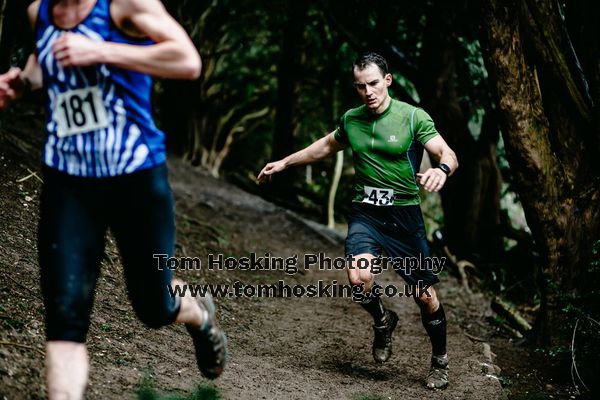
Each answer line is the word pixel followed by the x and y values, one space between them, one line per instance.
pixel 378 197
pixel 80 110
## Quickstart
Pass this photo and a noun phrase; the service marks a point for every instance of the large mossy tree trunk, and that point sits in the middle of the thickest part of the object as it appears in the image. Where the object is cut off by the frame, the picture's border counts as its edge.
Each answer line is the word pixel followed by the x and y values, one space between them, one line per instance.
pixel 551 138
pixel 471 198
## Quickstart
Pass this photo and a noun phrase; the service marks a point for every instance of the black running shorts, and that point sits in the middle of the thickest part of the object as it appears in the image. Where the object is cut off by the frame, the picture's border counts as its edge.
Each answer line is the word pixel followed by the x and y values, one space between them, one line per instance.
pixel 75 213
pixel 397 230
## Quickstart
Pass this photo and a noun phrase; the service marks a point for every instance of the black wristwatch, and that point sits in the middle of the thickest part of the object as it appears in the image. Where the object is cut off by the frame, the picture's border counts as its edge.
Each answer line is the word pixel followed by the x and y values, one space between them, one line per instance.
pixel 444 168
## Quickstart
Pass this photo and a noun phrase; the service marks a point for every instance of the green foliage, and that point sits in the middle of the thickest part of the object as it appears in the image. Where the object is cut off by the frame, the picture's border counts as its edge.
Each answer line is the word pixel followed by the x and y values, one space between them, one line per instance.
pixel 146 391
pixel 238 43
pixel 505 381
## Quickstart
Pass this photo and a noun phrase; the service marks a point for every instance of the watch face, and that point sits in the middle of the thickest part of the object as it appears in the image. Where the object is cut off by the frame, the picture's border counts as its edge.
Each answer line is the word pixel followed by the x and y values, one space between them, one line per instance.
pixel 444 168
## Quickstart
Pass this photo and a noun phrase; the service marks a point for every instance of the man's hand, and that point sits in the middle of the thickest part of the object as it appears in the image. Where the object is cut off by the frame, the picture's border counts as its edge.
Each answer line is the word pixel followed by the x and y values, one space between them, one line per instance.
pixel 11 87
pixel 432 180
pixel 76 50
pixel 270 169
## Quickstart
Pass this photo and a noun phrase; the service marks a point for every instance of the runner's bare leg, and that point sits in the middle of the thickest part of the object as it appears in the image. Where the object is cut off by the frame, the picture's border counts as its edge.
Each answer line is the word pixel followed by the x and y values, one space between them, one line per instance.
pixel 67 368
pixel 189 311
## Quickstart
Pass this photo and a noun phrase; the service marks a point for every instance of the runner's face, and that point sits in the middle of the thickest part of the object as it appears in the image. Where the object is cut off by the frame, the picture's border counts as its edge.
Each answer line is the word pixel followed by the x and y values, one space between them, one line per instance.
pixel 372 87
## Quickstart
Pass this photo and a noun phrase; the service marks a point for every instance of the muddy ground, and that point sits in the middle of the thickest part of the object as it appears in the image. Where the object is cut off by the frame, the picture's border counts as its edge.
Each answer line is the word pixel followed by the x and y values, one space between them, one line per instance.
pixel 280 348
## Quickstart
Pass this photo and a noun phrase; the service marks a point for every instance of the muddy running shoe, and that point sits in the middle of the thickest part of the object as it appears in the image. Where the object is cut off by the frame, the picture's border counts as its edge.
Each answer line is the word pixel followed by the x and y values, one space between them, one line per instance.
pixel 382 343
pixel 437 378
pixel 210 341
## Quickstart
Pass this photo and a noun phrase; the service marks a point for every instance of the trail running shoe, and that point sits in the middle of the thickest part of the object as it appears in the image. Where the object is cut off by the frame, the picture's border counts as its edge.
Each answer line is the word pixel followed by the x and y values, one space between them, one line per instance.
pixel 210 341
pixel 382 343
pixel 437 378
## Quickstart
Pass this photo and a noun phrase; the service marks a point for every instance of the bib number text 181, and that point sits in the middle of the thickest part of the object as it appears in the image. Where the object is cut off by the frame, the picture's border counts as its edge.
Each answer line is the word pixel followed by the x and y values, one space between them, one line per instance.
pixel 80 110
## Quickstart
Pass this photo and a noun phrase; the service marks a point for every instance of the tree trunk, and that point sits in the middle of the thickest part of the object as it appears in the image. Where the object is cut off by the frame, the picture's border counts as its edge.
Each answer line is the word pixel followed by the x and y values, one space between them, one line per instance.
pixel 335 180
pixel 561 210
pixel 471 198
pixel 584 29
pixel 339 158
pixel 288 78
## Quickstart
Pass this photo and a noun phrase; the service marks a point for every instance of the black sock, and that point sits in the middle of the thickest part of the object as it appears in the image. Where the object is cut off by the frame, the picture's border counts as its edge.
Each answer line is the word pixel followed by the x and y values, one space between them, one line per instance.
pixel 435 325
pixel 374 306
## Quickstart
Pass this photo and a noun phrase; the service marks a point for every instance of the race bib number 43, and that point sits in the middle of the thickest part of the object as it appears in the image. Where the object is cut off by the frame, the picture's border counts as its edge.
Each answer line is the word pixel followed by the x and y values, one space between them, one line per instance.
pixel 378 197
pixel 80 110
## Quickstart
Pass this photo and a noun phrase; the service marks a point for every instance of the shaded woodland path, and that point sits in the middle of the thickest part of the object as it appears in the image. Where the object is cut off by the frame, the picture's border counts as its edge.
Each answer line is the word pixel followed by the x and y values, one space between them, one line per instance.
pixel 307 348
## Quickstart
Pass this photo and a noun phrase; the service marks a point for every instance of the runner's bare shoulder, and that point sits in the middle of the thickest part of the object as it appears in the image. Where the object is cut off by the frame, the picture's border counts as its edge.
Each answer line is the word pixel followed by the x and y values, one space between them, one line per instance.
pixel 32 12
pixel 124 12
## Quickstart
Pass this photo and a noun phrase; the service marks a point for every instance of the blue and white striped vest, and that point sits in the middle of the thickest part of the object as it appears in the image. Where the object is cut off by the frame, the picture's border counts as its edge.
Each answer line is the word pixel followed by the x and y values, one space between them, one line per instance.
pixel 99 117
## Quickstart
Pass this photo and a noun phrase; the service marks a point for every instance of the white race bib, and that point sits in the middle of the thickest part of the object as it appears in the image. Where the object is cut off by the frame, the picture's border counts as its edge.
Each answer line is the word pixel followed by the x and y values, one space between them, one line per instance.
pixel 80 110
pixel 378 197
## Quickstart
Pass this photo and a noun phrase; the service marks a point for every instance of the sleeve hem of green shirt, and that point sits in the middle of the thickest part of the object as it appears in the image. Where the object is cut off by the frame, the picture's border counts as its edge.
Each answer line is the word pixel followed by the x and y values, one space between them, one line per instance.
pixel 424 127
pixel 338 137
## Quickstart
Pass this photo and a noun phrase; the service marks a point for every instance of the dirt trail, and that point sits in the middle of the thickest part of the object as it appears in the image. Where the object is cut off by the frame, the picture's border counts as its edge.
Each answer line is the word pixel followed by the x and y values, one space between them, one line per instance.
pixel 280 348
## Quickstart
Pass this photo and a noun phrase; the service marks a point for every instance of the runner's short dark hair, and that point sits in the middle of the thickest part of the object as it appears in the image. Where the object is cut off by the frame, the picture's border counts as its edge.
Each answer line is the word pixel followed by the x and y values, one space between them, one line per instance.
pixel 365 59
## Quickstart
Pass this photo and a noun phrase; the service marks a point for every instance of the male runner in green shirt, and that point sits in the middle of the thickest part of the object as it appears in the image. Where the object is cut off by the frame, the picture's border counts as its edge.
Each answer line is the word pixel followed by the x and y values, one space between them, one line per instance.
pixel 387 138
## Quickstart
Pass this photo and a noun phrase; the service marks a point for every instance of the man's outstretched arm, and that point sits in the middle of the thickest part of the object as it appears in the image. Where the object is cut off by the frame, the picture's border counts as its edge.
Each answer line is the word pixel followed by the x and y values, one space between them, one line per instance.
pixel 317 151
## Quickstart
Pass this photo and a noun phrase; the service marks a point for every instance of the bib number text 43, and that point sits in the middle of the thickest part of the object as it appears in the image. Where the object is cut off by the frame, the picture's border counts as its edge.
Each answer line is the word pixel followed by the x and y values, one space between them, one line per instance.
pixel 378 197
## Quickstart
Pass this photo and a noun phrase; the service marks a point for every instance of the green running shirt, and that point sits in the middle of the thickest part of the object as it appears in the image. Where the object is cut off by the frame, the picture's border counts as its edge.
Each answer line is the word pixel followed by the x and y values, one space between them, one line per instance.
pixel 387 150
